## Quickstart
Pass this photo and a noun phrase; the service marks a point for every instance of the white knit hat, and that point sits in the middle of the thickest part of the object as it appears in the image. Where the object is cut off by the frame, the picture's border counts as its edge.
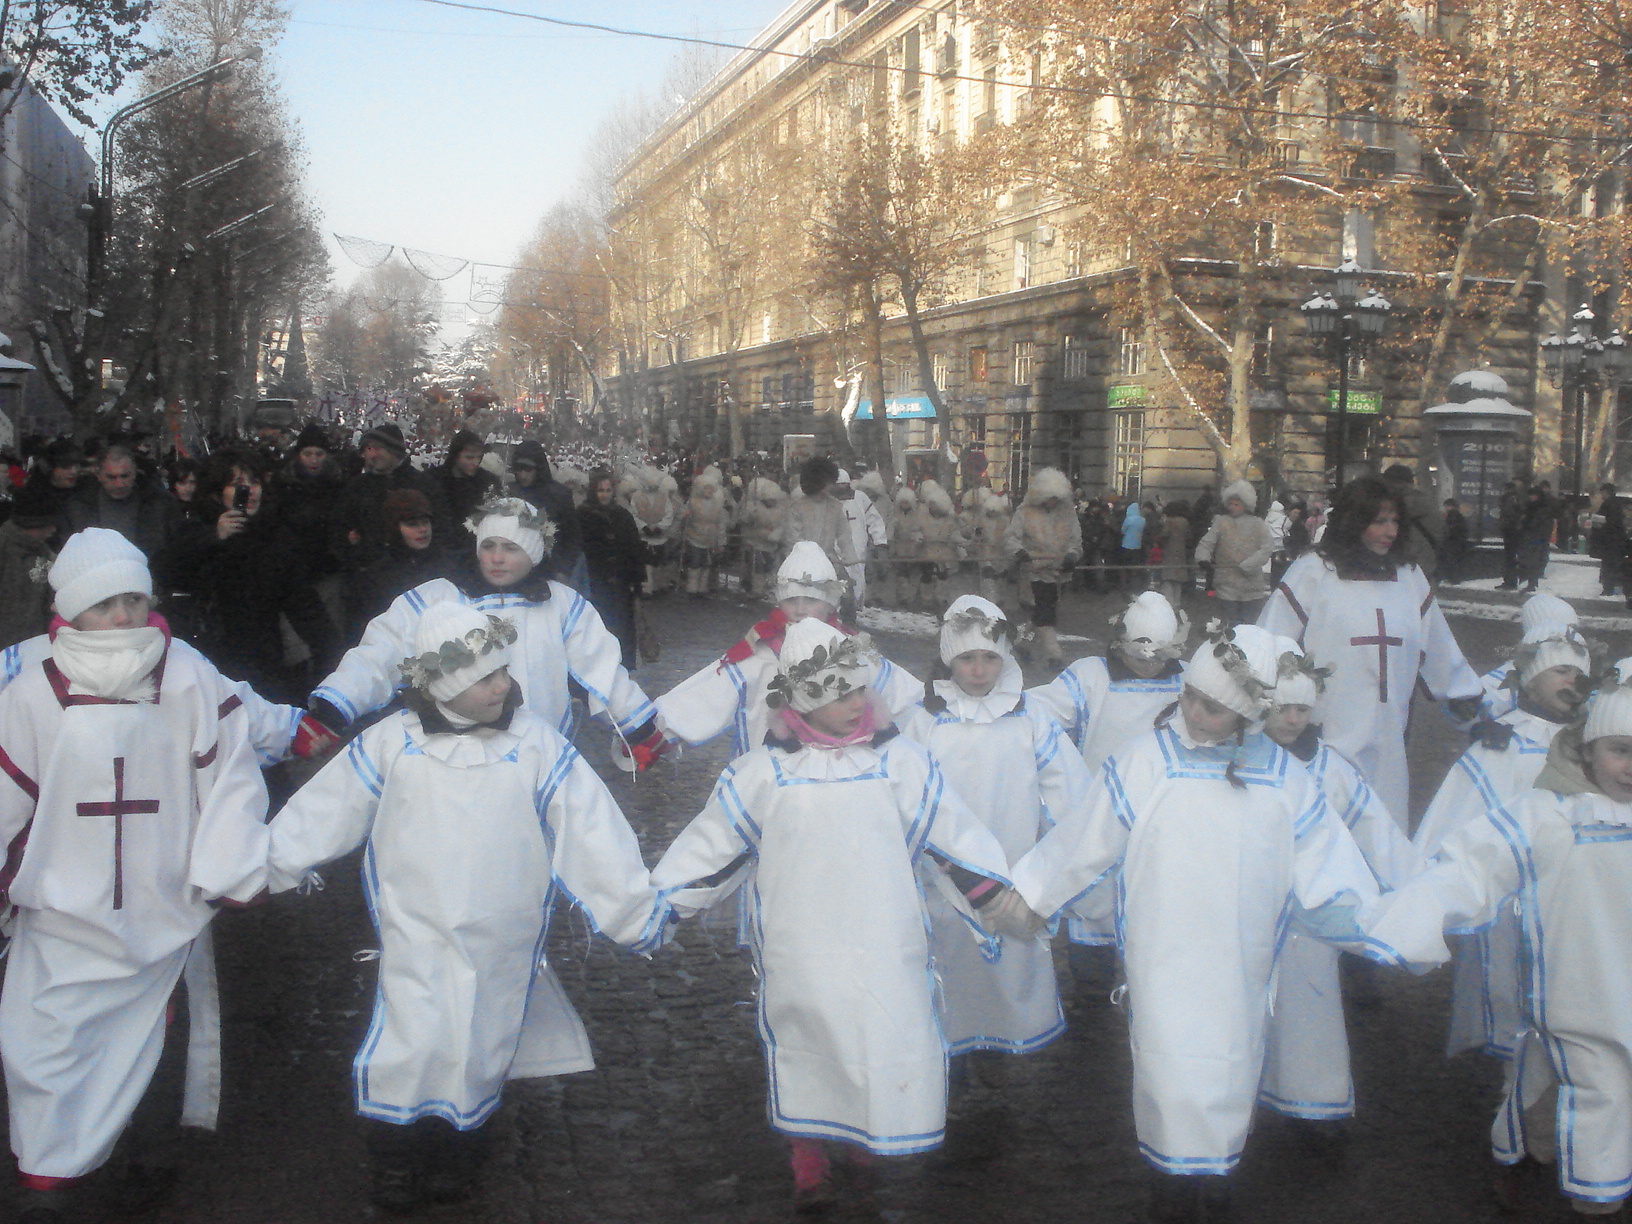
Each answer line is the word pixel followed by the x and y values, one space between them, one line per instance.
pixel 819 664
pixel 97 564
pixel 1611 710
pixel 1296 683
pixel 808 573
pixel 1561 649
pixel 973 623
pixel 1543 615
pixel 844 477
pixel 520 522
pixel 1236 668
pixel 455 645
pixel 1244 490
pixel 1150 628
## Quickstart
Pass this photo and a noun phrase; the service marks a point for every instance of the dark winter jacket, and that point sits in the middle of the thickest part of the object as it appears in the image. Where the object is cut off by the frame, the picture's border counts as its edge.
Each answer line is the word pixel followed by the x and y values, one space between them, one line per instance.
pixel 145 518
pixel 310 506
pixel 362 513
pixel 25 593
pixel 369 592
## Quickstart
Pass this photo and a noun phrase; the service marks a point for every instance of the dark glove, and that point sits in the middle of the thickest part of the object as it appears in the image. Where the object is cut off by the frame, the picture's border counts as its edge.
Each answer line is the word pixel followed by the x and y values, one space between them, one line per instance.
pixel 313 738
pixel 1464 709
pixel 1022 556
pixel 1493 735
pixel 1069 561
pixel 324 712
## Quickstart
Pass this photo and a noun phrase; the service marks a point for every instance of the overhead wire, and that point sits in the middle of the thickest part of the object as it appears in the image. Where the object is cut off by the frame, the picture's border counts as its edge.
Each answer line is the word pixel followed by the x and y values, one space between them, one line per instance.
pixel 1038 87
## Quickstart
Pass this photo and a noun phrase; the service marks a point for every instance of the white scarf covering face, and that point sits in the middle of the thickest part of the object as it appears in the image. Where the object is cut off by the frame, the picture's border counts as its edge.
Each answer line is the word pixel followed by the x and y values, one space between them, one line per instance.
pixel 116 664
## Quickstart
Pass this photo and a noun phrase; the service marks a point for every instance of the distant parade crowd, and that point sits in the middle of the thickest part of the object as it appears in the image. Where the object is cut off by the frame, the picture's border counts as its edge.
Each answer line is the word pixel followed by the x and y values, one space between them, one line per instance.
pixel 1225 805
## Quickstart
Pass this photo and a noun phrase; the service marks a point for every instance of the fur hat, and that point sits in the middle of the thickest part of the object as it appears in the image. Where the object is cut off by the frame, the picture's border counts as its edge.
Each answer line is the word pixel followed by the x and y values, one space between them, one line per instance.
pixel 872 483
pixel 455 645
pixel 1046 483
pixel 1151 629
pixel 994 504
pixel 1611 710
pixel 1240 489
pixel 934 497
pixel 387 434
pixel 97 564
pixel 708 478
pixel 820 664
pixel 906 499
pixel 764 489
pixel 1237 668
pixel 402 505
pixel 808 573
pixel 511 518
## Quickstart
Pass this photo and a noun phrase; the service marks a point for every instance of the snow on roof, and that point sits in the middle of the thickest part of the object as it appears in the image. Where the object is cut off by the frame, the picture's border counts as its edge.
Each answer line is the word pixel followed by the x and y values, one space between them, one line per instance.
pixel 1485 407
pixel 1486 382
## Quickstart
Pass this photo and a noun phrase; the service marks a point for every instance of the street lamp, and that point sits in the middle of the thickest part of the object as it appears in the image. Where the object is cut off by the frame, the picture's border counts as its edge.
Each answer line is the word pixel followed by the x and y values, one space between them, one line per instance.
pixel 1580 364
pixel 1345 320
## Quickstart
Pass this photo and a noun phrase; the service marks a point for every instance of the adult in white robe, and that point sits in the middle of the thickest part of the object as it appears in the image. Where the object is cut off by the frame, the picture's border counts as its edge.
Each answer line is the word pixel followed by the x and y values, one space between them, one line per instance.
pixel 983 745
pixel 828 845
pixel 124 819
pixel 471 838
pixel 1375 622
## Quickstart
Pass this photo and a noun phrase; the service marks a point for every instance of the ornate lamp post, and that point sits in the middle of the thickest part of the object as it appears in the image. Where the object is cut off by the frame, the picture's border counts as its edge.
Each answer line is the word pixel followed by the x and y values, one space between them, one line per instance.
pixel 1345 321
pixel 1579 365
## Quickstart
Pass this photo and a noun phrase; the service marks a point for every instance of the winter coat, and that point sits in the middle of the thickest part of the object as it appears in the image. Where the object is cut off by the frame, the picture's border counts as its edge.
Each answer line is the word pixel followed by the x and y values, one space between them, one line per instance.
pixel 1240 548
pixel 761 525
pixel 309 505
pixel 708 515
pixel 1047 537
pixel 25 593
pixel 822 520
pixel 151 515
pixel 362 512
pixel 1175 548
pixel 616 560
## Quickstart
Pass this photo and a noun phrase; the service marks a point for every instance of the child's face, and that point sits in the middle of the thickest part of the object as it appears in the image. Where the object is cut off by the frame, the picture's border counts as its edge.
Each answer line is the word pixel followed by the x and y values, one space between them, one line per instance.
pixel 797 607
pixel 1145 669
pixel 1609 761
pixel 840 718
pixel 1285 723
pixel 127 611
pixel 416 533
pixel 976 671
pixel 1558 691
pixel 503 562
pixel 1207 721
pixel 483 702
pixel 1235 507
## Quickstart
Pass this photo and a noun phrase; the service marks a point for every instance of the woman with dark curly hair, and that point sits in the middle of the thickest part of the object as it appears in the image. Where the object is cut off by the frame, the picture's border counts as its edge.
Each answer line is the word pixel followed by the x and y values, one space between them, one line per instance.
pixel 1360 608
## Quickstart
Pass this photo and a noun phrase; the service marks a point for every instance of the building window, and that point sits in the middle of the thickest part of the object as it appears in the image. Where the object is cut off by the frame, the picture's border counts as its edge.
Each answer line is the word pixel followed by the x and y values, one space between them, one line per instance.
pixel 1073 259
pixel 1076 358
pixel 1263 241
pixel 1022 262
pixel 1128 452
pixel 977 364
pixel 1130 355
pixel 1263 348
pixel 940 369
pixel 1025 362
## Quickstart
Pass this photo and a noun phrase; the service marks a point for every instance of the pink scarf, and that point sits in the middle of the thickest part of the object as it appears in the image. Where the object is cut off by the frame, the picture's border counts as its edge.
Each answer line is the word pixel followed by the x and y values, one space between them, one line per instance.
pixel 812 738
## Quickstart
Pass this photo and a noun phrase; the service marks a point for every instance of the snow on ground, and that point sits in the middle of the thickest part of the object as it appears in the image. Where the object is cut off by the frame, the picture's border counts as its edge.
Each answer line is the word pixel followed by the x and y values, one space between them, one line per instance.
pixel 1569 576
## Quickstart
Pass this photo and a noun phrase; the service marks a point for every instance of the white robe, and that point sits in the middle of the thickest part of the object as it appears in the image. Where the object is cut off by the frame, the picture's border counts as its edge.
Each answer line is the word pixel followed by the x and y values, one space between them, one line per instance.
pixel 1380 638
pixel 1566 859
pixel 983 746
pixel 828 846
pixel 559 639
pixel 1306 1061
pixel 470 840
pixel 725 696
pixel 1207 877
pixel 1487 1011
pixel 272 726
pixel 122 822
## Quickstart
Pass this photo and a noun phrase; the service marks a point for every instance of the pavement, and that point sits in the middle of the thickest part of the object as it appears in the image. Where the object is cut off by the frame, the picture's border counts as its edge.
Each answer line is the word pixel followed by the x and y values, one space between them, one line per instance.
pixel 671 1126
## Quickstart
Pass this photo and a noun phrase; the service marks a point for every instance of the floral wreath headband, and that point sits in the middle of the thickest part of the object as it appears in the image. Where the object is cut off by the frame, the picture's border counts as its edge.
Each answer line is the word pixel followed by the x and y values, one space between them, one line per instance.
pixel 1293 665
pixel 1234 661
pixel 855 653
pixel 527 516
pixel 973 620
pixel 1155 650
pixel 1525 652
pixel 456 654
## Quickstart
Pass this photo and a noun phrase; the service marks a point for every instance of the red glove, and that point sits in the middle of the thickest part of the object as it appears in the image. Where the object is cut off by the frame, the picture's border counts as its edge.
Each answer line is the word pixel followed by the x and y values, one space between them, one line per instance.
pixel 646 752
pixel 312 739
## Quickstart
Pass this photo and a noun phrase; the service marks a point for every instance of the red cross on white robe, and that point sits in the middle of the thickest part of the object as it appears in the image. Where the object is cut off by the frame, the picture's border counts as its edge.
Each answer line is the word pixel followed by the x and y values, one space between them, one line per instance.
pixel 119 808
pixel 1382 641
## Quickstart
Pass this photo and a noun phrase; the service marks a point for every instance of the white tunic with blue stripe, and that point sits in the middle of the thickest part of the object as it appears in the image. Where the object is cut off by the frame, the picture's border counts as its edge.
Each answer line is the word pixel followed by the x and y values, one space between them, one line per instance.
pixel 830 848
pixel 1566 860
pixel 1486 1011
pixel 470 840
pixel 984 746
pixel 1102 705
pixel 559 639
pixel 1208 875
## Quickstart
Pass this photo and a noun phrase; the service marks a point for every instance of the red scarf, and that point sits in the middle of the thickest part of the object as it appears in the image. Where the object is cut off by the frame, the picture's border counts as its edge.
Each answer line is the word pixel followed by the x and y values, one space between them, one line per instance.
pixel 771 631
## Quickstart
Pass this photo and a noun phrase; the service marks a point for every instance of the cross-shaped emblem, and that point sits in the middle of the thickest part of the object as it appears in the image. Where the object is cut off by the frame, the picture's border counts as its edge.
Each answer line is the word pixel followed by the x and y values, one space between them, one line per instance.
pixel 119 808
pixel 1382 641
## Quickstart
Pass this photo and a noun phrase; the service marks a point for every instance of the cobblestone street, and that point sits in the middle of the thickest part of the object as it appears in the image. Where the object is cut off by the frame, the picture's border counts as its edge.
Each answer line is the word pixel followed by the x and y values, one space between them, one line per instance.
pixel 671 1126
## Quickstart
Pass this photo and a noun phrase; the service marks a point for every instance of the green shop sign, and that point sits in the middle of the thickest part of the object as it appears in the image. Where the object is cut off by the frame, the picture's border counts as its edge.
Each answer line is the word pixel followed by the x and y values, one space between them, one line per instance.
pixel 1129 395
pixel 1370 402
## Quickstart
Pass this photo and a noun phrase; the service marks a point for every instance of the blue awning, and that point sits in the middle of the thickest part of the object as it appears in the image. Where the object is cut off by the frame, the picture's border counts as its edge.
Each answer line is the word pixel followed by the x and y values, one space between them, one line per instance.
pixel 899 408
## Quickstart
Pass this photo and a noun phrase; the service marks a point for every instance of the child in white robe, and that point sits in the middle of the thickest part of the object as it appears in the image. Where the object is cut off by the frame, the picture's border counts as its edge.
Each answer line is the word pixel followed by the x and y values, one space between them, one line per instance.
pixel 1306 1060
pixel 832 840
pixel 1541 616
pixel 1215 838
pixel 983 732
pixel 729 695
pixel 560 636
pixel 1549 678
pixel 477 815
pixel 1563 851
pixel 131 801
